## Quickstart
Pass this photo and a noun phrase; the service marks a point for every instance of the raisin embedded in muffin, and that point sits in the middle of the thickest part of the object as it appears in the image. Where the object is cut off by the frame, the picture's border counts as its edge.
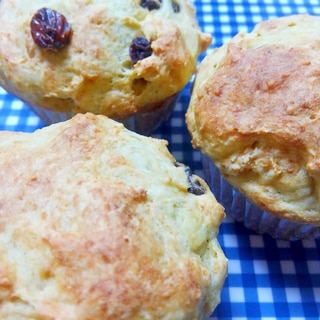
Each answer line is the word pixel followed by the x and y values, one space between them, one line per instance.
pixel 254 112
pixel 127 60
pixel 98 222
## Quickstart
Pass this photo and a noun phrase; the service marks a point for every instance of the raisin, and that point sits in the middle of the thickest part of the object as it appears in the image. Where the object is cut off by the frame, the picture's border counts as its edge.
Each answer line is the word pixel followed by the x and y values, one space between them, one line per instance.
pixel 155 5
pixel 175 7
pixel 140 48
pixel 50 29
pixel 194 186
pixel 150 4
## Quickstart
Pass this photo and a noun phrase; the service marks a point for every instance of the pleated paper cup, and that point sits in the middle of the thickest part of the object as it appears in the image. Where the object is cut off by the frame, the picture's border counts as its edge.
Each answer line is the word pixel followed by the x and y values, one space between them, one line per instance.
pixel 241 209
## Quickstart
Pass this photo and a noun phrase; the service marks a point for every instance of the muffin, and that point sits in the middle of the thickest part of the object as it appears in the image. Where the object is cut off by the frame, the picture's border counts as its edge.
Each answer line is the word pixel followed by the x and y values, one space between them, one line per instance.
pixel 127 60
pixel 98 222
pixel 254 114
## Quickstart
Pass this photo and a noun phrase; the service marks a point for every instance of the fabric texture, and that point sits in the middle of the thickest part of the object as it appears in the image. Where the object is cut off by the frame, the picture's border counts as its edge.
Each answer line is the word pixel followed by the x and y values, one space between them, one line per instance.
pixel 268 279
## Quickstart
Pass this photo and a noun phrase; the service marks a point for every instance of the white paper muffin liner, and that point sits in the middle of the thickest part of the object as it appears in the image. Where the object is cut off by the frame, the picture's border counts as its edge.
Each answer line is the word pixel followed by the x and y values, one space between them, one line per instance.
pixel 146 122
pixel 238 207
pixel 142 122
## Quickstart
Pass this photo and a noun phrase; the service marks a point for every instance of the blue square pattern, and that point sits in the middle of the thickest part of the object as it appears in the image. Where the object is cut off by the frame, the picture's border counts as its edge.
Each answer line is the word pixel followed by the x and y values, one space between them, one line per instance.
pixel 268 279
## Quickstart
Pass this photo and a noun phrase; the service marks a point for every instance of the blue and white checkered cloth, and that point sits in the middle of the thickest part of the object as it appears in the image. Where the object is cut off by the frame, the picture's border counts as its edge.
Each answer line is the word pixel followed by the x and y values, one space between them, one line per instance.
pixel 268 278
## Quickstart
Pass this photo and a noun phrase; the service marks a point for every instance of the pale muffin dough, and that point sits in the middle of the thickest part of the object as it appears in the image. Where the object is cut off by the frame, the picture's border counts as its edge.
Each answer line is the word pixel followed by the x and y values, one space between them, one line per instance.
pixel 96 222
pixel 255 111
pixel 95 72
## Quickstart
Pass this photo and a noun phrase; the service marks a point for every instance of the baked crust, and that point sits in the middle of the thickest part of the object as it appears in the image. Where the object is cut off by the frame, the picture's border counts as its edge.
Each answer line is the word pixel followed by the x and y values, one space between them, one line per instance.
pixel 94 72
pixel 96 223
pixel 255 111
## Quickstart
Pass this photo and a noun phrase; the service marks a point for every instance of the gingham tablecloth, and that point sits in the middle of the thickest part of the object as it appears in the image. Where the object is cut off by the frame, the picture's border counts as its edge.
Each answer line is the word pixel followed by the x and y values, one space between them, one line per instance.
pixel 268 278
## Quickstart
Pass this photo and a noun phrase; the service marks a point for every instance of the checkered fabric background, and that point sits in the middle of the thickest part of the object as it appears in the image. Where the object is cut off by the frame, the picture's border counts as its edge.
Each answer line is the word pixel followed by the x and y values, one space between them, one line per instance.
pixel 268 278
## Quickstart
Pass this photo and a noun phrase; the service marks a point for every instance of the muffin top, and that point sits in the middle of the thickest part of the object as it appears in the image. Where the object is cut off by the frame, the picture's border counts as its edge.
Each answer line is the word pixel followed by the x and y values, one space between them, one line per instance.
pixel 107 57
pixel 255 111
pixel 98 222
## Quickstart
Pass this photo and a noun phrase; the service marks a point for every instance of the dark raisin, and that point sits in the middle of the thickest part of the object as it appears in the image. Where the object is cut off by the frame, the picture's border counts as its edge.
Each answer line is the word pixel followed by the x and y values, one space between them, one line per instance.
pixel 175 7
pixel 140 48
pixel 50 29
pixel 155 5
pixel 194 186
pixel 150 4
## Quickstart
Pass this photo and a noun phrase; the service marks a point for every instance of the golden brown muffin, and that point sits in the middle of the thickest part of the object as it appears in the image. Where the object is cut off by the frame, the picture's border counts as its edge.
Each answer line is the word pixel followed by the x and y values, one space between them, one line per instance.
pixel 255 112
pixel 116 58
pixel 97 222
